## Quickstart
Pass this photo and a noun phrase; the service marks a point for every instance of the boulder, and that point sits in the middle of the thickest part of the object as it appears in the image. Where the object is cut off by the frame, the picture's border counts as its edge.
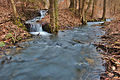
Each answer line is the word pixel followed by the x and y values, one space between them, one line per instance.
pixel 46 27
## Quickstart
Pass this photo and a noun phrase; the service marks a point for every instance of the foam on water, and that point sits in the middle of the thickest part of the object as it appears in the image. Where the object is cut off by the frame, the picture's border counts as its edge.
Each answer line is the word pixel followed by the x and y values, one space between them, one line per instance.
pixel 43 33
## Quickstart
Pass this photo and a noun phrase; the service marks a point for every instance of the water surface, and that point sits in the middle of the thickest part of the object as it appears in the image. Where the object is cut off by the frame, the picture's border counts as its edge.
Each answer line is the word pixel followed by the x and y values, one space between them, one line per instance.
pixel 70 55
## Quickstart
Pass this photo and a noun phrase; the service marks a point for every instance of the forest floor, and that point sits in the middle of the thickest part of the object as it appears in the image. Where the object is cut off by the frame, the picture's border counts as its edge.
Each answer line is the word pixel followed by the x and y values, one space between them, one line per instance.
pixel 9 32
pixel 110 45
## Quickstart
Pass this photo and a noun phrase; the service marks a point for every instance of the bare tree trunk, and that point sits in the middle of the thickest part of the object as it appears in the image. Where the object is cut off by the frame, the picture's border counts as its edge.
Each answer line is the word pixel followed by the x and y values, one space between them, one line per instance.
pixel 104 9
pixel 54 16
pixel 88 7
pixel 93 8
pixel 80 3
pixel 72 4
pixel 75 9
pixel 14 9
pixel 83 12
pixel 114 8
pixel 83 7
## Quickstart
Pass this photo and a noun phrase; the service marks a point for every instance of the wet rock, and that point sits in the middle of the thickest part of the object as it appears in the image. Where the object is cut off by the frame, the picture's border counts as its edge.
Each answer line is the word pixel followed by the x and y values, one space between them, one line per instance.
pixel 28 27
pixel 81 66
pixel 46 27
pixel 6 59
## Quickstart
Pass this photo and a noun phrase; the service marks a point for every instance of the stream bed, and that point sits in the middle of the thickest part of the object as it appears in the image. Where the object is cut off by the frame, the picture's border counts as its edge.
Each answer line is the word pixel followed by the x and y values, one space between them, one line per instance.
pixel 70 55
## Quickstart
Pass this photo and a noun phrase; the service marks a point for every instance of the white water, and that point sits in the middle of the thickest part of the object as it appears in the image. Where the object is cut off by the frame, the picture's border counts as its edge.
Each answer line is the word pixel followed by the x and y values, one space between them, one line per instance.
pixel 35 27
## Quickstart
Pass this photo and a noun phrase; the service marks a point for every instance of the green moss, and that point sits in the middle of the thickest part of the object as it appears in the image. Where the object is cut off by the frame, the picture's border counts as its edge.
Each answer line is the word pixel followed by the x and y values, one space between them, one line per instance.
pixel 20 24
pixel 10 36
pixel 103 19
pixel 2 44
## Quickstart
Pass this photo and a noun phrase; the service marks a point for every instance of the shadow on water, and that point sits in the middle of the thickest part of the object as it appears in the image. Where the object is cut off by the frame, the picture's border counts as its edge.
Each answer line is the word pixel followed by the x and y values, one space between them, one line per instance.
pixel 68 56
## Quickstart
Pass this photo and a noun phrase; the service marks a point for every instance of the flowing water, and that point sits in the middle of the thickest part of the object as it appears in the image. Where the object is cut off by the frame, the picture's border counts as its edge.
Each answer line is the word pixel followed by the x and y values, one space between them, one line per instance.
pixel 70 55
pixel 35 27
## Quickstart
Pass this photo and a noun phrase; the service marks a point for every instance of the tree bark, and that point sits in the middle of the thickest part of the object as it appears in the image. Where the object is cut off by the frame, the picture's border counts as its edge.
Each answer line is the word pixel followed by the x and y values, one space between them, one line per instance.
pixel 88 7
pixel 80 3
pixel 72 4
pixel 104 9
pixel 114 9
pixel 75 8
pixel 14 9
pixel 83 12
pixel 54 16
pixel 93 8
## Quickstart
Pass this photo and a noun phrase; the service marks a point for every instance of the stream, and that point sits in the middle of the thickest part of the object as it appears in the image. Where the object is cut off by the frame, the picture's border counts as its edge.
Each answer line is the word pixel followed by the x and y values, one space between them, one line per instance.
pixel 70 55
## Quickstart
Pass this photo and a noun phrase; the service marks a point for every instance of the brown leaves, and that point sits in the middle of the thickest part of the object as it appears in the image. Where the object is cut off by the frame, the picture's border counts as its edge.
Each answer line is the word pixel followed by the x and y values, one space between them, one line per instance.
pixel 8 27
pixel 111 44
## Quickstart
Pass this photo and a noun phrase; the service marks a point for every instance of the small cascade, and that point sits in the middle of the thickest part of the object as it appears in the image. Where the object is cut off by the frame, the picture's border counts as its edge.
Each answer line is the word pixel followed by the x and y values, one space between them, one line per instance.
pixel 43 13
pixel 35 27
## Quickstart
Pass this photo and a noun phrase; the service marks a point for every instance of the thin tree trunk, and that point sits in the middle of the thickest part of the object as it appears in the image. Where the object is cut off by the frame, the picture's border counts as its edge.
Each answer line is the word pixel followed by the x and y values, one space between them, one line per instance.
pixel 89 4
pixel 83 12
pixel 14 9
pixel 114 8
pixel 93 8
pixel 80 1
pixel 72 4
pixel 104 9
pixel 83 7
pixel 56 14
pixel 76 5
pixel 52 17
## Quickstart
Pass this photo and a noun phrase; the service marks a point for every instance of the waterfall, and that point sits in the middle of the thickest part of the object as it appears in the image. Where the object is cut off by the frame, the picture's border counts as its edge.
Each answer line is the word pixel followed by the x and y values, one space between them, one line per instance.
pixel 35 27
pixel 43 12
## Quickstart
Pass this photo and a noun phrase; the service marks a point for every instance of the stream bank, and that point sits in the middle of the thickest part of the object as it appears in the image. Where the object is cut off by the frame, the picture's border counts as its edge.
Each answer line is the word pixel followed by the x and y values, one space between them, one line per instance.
pixel 110 45
pixel 10 33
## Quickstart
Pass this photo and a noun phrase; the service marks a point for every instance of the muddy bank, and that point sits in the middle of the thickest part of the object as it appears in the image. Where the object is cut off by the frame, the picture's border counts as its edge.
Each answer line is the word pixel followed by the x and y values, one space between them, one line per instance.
pixel 110 44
